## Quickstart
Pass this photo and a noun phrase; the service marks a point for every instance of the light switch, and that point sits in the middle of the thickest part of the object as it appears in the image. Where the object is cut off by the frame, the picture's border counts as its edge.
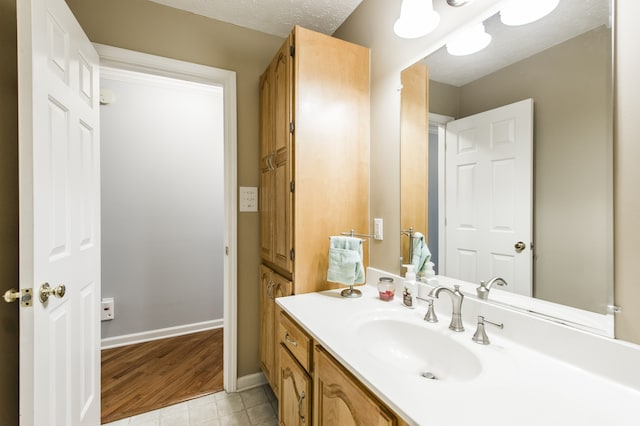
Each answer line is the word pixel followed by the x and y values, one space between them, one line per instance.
pixel 248 199
pixel 377 229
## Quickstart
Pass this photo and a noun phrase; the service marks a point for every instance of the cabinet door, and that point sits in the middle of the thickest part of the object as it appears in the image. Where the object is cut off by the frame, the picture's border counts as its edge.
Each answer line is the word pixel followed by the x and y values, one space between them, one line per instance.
pixel 283 225
pixel 295 391
pixel 340 400
pixel 267 329
pixel 281 287
pixel 272 286
pixel 267 217
pixel 267 166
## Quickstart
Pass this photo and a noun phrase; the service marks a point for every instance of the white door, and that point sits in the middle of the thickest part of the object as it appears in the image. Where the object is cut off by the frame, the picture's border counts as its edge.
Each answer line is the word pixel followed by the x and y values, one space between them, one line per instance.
pixel 59 216
pixel 489 184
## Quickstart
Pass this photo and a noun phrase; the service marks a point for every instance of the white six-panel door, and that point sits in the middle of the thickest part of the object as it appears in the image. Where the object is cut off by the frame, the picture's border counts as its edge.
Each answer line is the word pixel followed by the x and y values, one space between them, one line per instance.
pixel 59 216
pixel 489 184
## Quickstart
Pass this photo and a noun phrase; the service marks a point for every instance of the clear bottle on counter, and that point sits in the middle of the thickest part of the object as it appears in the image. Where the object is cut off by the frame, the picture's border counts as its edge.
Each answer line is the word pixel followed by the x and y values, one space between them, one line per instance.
pixel 386 288
pixel 409 288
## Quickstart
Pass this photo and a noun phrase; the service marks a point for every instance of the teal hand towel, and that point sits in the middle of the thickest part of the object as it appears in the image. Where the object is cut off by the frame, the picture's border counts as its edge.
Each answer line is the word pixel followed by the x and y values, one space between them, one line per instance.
pixel 345 261
pixel 421 254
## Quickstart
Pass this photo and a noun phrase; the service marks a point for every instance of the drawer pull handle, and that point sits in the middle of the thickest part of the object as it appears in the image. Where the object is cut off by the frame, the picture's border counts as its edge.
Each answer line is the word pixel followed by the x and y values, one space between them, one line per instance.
pixel 300 407
pixel 288 339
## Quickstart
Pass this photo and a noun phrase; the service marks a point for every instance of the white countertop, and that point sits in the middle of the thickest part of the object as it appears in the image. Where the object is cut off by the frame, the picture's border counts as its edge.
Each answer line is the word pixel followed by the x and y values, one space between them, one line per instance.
pixel 516 386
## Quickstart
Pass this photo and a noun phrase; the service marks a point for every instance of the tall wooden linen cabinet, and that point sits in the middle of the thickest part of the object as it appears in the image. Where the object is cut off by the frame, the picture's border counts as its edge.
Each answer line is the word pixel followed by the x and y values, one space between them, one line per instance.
pixel 314 168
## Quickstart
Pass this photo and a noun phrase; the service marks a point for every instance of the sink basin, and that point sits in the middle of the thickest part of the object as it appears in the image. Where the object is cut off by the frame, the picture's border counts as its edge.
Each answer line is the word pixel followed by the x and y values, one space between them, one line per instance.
pixel 409 348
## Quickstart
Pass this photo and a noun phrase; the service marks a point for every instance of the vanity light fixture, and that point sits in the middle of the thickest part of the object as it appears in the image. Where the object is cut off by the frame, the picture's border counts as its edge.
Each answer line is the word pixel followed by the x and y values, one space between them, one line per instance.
pixel 470 41
pixel 417 19
pixel 521 12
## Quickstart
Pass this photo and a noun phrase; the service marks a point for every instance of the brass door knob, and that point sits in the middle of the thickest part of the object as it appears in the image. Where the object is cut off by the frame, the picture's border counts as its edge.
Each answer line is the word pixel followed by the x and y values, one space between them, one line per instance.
pixel 11 295
pixel 46 291
pixel 519 246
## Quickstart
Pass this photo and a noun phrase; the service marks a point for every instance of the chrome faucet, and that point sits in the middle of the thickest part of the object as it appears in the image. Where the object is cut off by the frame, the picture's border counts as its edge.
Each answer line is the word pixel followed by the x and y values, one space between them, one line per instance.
pixel 483 290
pixel 480 336
pixel 456 303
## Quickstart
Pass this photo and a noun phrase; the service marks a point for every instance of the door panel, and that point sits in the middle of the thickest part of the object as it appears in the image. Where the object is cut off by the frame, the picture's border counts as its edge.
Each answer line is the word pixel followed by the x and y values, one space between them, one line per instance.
pixel 59 168
pixel 489 201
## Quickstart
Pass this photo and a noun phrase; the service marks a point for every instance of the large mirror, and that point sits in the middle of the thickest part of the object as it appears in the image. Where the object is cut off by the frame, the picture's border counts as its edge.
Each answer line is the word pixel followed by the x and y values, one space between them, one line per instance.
pixel 562 63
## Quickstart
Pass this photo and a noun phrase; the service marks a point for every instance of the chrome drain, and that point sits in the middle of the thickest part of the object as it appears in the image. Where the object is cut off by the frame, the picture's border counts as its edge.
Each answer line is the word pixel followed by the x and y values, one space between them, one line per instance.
pixel 429 375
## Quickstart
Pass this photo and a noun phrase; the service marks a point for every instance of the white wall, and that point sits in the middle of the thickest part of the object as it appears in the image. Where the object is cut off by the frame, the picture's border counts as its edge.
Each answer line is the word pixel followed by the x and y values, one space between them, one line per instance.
pixel 162 202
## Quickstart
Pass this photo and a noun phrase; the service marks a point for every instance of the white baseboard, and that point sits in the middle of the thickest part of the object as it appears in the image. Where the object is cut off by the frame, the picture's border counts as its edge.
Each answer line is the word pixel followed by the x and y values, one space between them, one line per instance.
pixel 162 333
pixel 251 381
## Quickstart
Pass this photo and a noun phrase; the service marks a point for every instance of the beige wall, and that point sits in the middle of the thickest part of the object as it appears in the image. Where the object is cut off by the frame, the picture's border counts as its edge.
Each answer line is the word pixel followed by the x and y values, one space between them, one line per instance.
pixel 151 28
pixel 370 25
pixel 8 213
pixel 444 99
pixel 571 87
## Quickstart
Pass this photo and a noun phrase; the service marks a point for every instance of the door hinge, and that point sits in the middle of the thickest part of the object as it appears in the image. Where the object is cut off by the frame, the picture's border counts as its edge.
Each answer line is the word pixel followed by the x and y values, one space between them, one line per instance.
pixel 226 250
pixel 291 127
pixel 292 186
pixel 292 50
pixel 292 255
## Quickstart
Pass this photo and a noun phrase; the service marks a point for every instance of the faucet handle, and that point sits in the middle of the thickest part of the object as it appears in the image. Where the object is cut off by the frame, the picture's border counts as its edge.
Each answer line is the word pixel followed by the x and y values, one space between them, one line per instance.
pixel 430 316
pixel 480 336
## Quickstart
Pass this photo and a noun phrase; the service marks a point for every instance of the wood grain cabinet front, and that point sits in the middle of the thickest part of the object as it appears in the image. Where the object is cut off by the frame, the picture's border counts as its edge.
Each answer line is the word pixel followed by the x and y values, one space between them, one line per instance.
pixel 340 399
pixel 295 391
pixel 314 176
pixel 314 153
pixel 272 286
pixel 296 340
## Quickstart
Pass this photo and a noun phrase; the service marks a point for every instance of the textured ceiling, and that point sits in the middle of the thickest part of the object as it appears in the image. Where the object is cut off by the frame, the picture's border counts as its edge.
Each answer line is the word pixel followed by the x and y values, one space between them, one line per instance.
pixel 508 45
pixel 513 44
pixel 275 17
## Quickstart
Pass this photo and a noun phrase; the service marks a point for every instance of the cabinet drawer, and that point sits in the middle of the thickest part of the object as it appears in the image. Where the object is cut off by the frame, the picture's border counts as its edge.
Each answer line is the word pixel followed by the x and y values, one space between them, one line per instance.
pixel 295 339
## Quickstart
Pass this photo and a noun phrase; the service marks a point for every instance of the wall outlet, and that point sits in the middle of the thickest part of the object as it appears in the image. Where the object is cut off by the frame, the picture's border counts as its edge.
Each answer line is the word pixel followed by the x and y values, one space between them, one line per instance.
pixel 107 312
pixel 377 229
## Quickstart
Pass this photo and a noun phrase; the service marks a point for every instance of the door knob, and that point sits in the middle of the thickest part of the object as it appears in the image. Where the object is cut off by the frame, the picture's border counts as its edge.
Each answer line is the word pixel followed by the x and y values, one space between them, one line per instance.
pixel 23 295
pixel 46 291
pixel 11 295
pixel 519 246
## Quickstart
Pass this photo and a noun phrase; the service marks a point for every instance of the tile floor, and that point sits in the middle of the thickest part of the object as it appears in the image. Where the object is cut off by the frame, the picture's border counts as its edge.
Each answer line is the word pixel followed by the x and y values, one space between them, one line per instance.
pixel 253 407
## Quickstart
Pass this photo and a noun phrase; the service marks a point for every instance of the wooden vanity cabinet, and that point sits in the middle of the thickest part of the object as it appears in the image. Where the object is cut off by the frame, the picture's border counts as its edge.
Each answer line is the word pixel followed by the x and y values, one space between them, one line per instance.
pixel 314 154
pixel 295 391
pixel 316 390
pixel 295 383
pixel 272 286
pixel 314 164
pixel 340 399
pixel 275 198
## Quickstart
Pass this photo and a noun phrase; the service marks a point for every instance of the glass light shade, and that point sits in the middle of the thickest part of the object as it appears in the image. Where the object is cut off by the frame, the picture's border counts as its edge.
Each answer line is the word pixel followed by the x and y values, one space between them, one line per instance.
pixel 468 42
pixel 417 19
pixel 521 12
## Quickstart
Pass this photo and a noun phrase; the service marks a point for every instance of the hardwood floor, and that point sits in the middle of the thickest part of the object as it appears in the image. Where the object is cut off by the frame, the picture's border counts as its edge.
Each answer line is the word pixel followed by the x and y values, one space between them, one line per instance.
pixel 151 375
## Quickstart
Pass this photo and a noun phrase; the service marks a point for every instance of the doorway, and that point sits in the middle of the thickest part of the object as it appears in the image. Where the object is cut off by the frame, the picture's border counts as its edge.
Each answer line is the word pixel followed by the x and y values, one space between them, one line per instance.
pixel 180 190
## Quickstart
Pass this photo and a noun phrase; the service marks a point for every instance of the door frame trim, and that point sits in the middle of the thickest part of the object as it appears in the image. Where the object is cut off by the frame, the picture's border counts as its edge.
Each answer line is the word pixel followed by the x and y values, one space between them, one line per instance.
pixel 115 57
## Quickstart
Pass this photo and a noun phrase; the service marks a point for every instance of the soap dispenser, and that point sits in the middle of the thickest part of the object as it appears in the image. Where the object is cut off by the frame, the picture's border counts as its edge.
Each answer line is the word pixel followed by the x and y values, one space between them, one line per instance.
pixel 430 276
pixel 409 288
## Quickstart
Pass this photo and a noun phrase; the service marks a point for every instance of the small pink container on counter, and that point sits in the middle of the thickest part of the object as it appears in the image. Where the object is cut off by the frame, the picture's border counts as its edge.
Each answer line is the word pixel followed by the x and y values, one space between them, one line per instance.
pixel 386 288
